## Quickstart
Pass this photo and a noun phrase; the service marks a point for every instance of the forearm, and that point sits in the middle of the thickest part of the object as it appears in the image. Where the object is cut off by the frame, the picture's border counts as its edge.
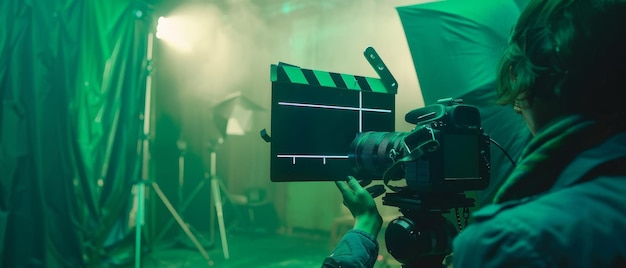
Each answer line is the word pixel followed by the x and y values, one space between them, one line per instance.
pixel 370 224
pixel 357 248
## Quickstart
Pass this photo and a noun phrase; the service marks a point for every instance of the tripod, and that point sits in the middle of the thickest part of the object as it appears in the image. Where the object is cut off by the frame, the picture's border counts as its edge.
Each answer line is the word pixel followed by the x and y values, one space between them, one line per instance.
pixel 141 185
pixel 182 204
pixel 217 188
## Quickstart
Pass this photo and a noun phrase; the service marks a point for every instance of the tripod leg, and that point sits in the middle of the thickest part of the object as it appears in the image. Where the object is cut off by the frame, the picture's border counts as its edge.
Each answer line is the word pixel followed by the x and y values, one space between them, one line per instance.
pixel 139 221
pixel 215 188
pixel 182 223
pixel 182 209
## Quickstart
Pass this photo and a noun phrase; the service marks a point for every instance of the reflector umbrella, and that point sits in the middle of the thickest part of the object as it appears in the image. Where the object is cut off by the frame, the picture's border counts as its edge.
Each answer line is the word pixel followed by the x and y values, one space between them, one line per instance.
pixel 456 46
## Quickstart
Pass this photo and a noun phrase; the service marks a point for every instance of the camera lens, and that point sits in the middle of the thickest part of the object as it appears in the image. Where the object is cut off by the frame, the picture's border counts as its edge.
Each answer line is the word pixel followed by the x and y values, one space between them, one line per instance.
pixel 374 152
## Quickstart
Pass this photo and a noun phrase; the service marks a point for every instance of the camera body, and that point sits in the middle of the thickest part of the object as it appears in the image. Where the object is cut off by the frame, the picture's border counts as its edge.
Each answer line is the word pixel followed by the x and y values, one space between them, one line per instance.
pixel 444 156
pixel 447 151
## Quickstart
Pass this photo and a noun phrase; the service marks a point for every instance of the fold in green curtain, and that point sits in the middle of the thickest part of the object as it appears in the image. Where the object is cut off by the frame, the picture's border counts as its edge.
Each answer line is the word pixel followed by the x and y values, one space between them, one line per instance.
pixel 72 84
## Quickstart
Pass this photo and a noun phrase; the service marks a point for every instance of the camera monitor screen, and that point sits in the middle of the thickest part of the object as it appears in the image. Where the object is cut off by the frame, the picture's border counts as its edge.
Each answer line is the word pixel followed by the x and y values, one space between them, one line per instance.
pixel 316 115
pixel 462 159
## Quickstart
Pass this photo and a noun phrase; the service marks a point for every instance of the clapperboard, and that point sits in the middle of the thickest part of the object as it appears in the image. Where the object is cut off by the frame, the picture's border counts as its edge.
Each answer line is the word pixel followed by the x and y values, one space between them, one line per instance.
pixel 316 115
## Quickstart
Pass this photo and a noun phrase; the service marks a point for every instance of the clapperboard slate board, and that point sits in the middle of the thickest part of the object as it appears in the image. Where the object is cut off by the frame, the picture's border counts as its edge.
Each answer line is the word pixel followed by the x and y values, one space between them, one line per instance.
pixel 316 115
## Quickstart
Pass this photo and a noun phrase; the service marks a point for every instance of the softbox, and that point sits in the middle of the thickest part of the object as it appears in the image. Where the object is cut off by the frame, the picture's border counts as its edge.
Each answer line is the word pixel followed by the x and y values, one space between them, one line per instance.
pixel 234 114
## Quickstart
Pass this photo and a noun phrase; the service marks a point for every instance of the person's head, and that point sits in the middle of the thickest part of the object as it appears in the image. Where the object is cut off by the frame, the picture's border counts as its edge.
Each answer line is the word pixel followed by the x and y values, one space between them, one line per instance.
pixel 565 57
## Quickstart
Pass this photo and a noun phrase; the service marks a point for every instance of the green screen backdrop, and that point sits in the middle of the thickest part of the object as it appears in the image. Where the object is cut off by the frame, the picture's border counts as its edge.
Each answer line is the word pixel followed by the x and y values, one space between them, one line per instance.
pixel 72 85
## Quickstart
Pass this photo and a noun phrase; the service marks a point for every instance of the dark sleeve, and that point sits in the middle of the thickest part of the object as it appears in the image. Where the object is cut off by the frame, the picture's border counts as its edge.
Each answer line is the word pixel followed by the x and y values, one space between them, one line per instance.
pixel 355 249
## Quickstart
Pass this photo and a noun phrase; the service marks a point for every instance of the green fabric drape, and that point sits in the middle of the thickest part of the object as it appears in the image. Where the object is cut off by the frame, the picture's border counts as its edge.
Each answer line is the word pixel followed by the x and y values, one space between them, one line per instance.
pixel 72 84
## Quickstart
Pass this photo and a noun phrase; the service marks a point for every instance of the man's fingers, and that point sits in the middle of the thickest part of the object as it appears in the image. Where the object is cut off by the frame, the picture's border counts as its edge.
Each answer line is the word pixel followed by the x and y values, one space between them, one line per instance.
pixel 343 187
pixel 354 184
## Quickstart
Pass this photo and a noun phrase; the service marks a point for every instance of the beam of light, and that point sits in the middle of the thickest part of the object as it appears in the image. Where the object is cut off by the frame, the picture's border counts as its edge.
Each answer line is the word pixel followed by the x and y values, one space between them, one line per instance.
pixel 172 31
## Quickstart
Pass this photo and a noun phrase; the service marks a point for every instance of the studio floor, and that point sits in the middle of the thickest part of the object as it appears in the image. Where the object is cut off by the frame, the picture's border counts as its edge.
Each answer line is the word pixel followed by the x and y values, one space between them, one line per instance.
pixel 247 250
pixel 298 249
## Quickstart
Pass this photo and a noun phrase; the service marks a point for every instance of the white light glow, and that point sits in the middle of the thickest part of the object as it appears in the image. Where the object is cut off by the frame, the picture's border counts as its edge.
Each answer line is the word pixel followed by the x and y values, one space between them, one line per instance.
pixel 172 30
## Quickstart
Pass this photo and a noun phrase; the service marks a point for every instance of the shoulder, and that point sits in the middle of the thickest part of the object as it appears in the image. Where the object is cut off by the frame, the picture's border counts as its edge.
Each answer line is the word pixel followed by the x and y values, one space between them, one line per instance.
pixel 574 226
pixel 608 157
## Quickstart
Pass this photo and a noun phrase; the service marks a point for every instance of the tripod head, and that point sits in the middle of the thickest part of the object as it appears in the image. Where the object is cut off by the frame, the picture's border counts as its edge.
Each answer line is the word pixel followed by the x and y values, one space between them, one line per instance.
pixel 422 236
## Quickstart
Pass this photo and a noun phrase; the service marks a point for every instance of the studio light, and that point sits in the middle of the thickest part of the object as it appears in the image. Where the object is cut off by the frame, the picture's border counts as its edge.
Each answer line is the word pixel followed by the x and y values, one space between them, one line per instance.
pixel 172 31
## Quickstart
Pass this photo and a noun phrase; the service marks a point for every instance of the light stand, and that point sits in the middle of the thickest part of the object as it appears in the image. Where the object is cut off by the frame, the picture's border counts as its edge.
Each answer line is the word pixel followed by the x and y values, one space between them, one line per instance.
pixel 232 116
pixel 216 188
pixel 141 185
pixel 182 203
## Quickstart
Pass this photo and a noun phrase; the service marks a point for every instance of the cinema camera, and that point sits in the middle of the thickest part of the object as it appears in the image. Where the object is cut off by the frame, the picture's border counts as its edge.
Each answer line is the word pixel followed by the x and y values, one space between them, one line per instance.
pixel 326 126
pixel 444 156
